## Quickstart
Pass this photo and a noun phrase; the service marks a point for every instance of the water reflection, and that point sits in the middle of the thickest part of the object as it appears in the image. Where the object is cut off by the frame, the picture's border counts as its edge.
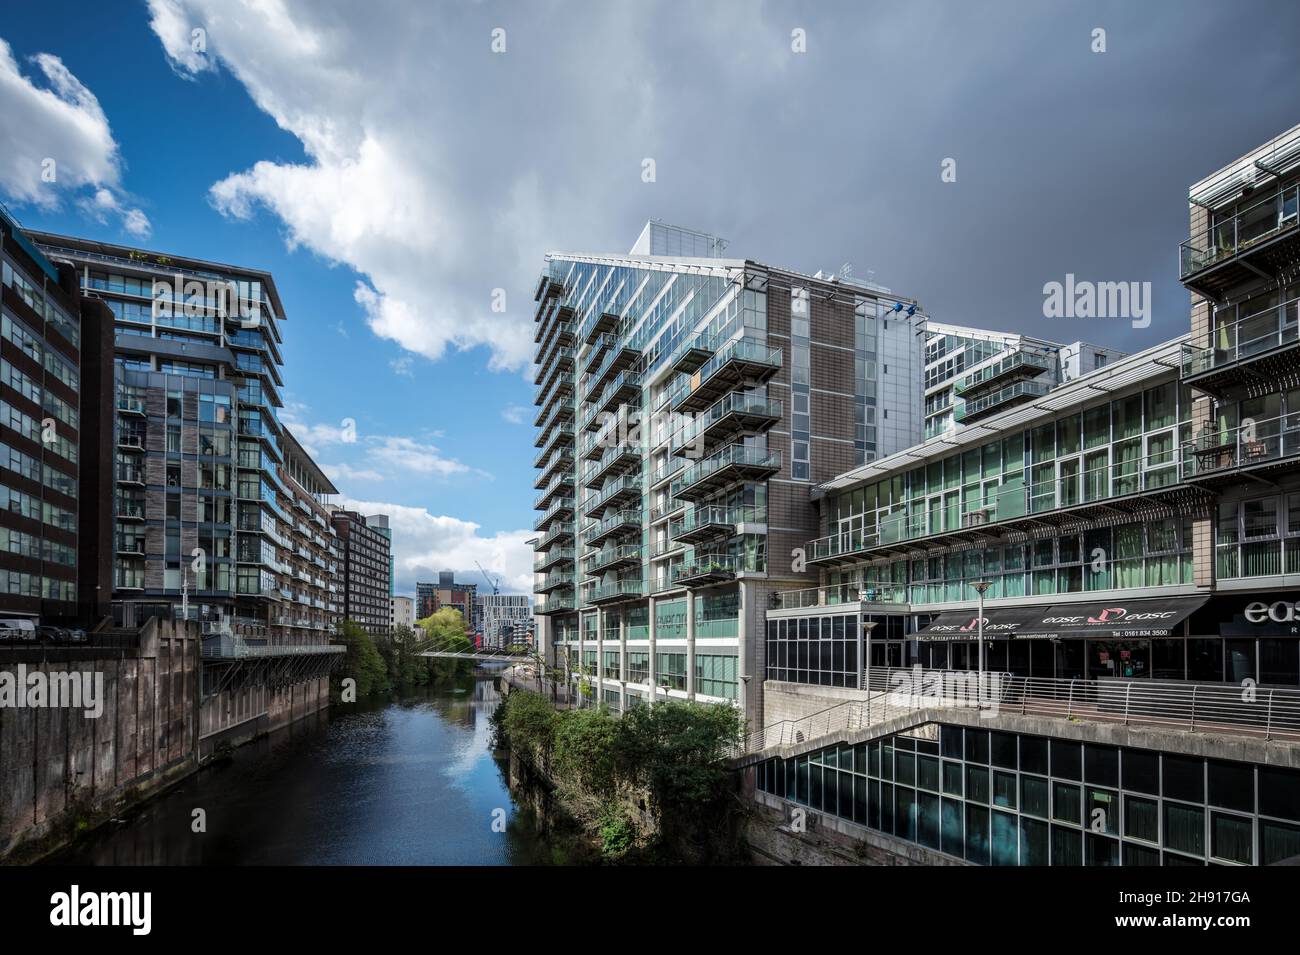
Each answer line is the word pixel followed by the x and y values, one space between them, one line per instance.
pixel 402 780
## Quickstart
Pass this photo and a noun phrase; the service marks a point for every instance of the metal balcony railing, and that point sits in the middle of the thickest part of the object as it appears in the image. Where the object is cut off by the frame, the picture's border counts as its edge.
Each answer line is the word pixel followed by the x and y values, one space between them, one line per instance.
pixel 1246 338
pixel 1018 362
pixel 1223 709
pixel 1232 235
pixel 838 595
pixel 988 404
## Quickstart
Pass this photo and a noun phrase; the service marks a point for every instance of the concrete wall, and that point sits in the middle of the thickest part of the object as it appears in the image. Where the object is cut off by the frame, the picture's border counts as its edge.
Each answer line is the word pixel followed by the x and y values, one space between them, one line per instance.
pixel 59 768
pixel 61 772
pixel 793 701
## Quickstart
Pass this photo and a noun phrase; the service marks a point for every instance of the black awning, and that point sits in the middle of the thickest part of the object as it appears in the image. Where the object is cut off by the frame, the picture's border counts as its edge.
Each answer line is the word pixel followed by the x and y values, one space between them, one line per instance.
pixel 999 624
pixel 1113 619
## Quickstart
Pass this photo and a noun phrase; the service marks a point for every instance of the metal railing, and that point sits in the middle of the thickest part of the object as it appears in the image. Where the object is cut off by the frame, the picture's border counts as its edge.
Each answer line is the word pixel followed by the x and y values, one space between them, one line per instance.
pixel 985 404
pixel 1257 441
pixel 1231 235
pixel 1260 712
pixel 983 377
pixel 838 594
pixel 1243 338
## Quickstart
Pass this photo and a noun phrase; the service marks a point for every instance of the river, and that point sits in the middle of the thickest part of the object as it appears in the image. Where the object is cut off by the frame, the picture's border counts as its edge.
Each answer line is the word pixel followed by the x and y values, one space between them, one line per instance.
pixel 406 779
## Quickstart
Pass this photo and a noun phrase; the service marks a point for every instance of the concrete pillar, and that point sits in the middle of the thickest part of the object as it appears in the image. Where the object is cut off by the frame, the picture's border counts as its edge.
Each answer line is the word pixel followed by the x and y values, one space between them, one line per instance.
pixel 622 660
pixel 582 649
pixel 651 677
pixel 598 692
pixel 742 650
pixel 690 645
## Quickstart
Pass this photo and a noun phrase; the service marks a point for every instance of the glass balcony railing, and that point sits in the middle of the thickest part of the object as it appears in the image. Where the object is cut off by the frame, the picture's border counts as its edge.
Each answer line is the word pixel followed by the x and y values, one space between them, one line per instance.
pixel 737 457
pixel 1012 500
pixel 1245 338
pixel 618 590
pixel 838 595
pixel 613 556
pixel 740 358
pixel 747 411
pixel 985 405
pixel 1019 362
pixel 1221 448
pixel 1232 235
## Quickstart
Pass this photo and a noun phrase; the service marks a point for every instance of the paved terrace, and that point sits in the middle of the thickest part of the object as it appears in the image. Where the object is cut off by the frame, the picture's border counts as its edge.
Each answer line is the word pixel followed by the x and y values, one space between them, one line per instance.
pixel 1257 725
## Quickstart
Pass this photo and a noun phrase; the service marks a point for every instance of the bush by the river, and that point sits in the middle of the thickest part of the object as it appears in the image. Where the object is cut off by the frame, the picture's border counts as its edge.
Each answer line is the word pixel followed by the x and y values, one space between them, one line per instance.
pixel 672 755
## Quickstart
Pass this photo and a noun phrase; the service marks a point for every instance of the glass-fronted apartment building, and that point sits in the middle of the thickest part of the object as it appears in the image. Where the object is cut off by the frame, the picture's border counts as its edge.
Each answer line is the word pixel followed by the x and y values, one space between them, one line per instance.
pixel 55 376
pixel 1135 532
pixel 687 404
pixel 971 373
pixel 216 509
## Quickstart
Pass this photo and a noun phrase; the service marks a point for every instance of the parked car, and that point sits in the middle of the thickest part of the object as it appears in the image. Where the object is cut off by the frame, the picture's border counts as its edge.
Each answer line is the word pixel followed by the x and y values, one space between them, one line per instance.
pixel 17 629
pixel 48 634
pixel 77 635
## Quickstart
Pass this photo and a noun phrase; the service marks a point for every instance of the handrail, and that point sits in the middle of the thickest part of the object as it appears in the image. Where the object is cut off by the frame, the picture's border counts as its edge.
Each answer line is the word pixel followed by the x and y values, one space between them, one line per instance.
pixel 1264 713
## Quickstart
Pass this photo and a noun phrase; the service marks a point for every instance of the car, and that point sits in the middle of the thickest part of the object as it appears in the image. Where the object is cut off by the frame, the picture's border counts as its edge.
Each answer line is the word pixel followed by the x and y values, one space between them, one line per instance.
pixel 18 629
pixel 49 634
pixel 77 635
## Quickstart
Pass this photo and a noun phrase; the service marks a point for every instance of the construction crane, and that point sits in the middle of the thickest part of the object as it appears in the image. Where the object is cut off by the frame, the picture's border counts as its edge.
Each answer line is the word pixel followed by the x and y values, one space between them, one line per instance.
pixel 492 583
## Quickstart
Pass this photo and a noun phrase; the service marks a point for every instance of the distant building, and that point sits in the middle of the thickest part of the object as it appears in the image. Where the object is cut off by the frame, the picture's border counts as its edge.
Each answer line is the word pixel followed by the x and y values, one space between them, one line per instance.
pixel 430 598
pixel 366 586
pixel 403 614
pixel 504 617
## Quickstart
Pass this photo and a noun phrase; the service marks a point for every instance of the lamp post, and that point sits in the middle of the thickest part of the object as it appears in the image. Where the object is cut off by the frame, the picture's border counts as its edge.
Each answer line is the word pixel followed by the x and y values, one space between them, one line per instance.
pixel 980 587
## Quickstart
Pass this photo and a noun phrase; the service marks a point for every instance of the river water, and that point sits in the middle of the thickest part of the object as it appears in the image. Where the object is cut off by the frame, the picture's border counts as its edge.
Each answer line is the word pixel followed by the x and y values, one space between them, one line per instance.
pixel 407 779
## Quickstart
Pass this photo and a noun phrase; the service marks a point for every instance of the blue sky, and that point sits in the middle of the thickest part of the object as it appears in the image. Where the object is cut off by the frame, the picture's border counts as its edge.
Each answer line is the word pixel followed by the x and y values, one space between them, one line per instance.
pixel 395 162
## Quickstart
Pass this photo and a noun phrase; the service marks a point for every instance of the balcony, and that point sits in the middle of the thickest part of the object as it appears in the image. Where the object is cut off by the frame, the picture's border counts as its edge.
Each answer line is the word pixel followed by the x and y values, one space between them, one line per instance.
pixel 1019 364
pixel 559 460
pixel 560 482
pixel 692 355
pixel 130 405
pixel 554 411
pixel 562 603
pixel 130 545
pixel 563 507
pixel 623 490
pixel 620 358
pixel 558 384
pixel 1000 400
pixel 707 569
pixel 597 324
pixel 615 592
pixel 613 558
pixel 1258 240
pixel 560 435
pixel 838 596
pixel 561 360
pixel 1247 357
pixel 744 360
pixel 625 387
pixel 730 415
pixel 130 475
pixel 553 582
pixel 733 463
pixel 714 521
pixel 1134 490
pixel 613 432
pixel 1260 449
pixel 559 533
pixel 617 459
pixel 621 522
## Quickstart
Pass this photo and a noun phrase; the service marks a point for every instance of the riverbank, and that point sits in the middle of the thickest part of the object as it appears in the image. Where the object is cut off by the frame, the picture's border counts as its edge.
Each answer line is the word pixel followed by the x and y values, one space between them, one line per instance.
pixel 407 778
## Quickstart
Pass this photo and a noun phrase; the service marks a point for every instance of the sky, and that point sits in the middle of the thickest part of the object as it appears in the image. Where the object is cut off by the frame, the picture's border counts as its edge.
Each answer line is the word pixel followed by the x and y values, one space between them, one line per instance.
pixel 401 168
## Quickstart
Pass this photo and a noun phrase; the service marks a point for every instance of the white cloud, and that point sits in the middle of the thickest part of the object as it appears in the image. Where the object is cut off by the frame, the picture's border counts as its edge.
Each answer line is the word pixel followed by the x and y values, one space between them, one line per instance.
pixel 57 142
pixel 515 414
pixel 424 543
pixel 411 456
pixel 403 366
pixel 346 472
pixel 422 168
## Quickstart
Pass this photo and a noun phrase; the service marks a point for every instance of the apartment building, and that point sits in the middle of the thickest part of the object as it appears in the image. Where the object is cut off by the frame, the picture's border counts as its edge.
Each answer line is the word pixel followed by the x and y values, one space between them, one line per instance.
pixel 309 550
pixel 971 373
pixel 403 614
pixel 447 592
pixel 505 617
pixel 56 372
pixel 203 516
pixel 687 404
pixel 365 563
pixel 1123 549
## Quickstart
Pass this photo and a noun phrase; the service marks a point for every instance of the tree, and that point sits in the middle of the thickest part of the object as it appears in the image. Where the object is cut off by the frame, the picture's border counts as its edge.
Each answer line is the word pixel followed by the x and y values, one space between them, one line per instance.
pixel 362 661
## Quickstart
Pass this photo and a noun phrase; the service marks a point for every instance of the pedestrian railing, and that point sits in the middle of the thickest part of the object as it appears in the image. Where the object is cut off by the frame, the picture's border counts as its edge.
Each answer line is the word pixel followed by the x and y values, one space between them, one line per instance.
pixel 1262 712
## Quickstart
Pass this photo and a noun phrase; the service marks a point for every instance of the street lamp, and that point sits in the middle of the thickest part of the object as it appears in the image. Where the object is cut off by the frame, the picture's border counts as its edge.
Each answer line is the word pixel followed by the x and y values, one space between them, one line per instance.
pixel 981 586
